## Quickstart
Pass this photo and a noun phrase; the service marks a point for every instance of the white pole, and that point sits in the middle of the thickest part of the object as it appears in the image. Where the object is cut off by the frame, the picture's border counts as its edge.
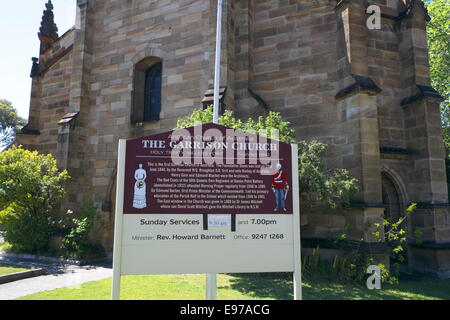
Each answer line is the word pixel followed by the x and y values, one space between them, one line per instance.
pixel 117 255
pixel 211 286
pixel 217 66
pixel 211 279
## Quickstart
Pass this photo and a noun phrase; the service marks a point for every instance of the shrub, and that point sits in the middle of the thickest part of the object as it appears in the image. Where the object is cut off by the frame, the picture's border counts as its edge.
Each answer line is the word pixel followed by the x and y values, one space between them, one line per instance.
pixel 27 232
pixel 350 267
pixel 30 192
pixel 395 235
pixel 76 243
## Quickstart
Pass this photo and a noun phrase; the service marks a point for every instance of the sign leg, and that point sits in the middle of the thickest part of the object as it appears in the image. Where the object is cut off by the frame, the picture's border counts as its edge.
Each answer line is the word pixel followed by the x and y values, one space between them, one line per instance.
pixel 118 225
pixel 298 285
pixel 211 286
pixel 116 287
pixel 296 226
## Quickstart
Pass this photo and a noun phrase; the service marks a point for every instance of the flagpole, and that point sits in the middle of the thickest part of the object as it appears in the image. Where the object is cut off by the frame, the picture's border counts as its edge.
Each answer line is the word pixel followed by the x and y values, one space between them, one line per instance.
pixel 211 278
pixel 217 65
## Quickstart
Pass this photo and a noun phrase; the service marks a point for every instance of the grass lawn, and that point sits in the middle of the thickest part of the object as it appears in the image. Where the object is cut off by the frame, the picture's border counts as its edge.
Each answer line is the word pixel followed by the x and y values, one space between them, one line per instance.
pixel 4 270
pixel 244 287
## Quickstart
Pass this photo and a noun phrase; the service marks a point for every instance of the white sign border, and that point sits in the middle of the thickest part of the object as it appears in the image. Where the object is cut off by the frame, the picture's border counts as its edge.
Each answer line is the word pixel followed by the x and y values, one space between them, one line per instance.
pixel 118 225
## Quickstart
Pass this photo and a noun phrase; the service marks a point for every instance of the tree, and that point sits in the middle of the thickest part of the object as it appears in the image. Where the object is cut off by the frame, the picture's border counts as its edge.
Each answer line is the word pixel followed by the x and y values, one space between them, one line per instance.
pixel 332 187
pixel 9 123
pixel 439 45
pixel 30 190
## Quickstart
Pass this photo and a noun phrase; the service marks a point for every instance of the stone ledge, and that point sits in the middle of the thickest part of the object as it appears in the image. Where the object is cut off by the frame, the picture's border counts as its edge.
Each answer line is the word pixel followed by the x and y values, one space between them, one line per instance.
pixel 208 98
pixel 393 150
pixel 366 205
pixel 362 84
pixel 406 13
pixel 27 131
pixel 431 205
pixel 68 118
pixel 432 245
pixel 328 243
pixel 22 275
pixel 424 92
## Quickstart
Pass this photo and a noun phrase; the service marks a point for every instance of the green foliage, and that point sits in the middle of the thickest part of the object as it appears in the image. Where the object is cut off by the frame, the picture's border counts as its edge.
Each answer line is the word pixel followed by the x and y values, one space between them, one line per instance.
pixel 76 243
pixel 30 191
pixel 27 232
pixel 271 126
pixel 350 267
pixel 332 187
pixel 9 122
pixel 394 234
pixel 439 50
pixel 438 31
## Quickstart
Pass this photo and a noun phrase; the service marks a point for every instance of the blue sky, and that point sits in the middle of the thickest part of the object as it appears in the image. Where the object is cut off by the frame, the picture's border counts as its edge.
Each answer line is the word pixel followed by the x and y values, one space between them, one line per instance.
pixel 19 24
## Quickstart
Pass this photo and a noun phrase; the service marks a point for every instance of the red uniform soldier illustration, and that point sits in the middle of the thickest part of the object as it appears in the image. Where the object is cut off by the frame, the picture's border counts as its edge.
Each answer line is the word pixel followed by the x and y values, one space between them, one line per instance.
pixel 280 187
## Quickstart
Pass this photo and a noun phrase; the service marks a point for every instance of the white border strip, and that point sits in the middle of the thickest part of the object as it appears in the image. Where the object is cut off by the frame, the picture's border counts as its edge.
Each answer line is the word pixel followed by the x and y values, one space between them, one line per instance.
pixel 118 229
pixel 296 225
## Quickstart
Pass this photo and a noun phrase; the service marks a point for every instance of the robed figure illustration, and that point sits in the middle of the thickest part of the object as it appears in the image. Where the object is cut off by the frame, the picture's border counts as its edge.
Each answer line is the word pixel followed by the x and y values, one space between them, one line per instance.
pixel 280 188
pixel 140 194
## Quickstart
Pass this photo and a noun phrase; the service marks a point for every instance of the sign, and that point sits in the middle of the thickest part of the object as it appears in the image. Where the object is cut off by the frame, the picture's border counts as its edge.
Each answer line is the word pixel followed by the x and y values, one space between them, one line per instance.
pixel 231 172
pixel 246 183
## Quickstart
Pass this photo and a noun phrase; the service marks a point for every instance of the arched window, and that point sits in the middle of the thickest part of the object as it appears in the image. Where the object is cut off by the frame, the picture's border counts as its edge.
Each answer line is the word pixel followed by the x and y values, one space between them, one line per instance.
pixel 147 83
pixel 152 96
pixel 394 209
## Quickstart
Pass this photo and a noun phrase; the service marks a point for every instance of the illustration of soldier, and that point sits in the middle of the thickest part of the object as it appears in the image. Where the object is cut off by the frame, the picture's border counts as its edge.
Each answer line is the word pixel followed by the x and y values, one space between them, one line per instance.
pixel 140 199
pixel 280 187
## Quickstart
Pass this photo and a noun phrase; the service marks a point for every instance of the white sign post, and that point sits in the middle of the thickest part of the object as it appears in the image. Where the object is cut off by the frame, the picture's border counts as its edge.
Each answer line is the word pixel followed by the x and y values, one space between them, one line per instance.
pixel 151 243
pixel 118 223
pixel 211 278
pixel 296 226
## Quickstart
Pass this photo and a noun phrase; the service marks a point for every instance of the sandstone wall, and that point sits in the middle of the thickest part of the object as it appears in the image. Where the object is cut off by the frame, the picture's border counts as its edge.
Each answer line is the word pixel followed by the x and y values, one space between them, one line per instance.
pixel 364 92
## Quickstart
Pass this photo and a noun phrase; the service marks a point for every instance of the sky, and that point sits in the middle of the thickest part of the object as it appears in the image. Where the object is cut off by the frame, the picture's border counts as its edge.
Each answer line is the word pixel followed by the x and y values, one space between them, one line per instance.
pixel 19 24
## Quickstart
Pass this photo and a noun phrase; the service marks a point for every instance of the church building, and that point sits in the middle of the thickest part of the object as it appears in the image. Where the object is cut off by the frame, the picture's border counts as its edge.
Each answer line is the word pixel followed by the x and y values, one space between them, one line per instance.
pixel 131 68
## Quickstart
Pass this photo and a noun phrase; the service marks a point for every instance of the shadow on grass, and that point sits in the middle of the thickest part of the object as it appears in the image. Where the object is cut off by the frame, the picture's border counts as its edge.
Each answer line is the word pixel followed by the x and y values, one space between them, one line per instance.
pixel 264 285
pixel 280 286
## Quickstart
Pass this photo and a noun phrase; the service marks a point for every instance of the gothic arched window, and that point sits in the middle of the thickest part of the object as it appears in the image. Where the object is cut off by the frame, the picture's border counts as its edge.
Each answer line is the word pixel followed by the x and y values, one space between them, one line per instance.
pixel 147 85
pixel 152 96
